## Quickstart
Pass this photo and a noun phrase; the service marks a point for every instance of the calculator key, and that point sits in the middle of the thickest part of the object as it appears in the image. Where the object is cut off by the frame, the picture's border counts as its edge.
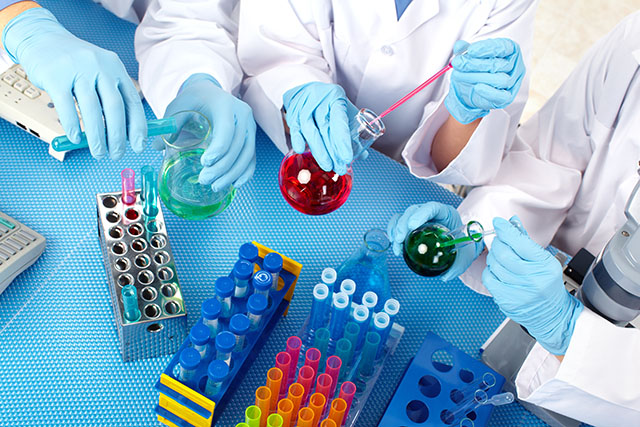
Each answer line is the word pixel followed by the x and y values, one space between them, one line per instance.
pixel 20 71
pixel 10 78
pixel 4 256
pixel 10 244
pixel 27 235
pixel 15 243
pixel 21 85
pixel 7 223
pixel 32 92
pixel 7 249
pixel 23 240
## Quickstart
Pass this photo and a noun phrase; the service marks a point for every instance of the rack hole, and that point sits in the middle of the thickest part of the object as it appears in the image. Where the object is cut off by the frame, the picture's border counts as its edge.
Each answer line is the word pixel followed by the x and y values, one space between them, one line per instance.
pixel 125 279
pixel 149 294
pixel 158 241
pixel 417 411
pixel 456 396
pixel 138 245
pixel 466 376
pixel 122 264
pixel 142 261
pixel 113 217
pixel 145 277
pixel 116 232
pixel 442 360
pixel 172 307
pixel 429 386
pixel 161 258
pixel 135 229
pixel 109 202
pixel 132 214
pixel 154 327
pixel 152 311
pixel 168 290
pixel 165 273
pixel 119 248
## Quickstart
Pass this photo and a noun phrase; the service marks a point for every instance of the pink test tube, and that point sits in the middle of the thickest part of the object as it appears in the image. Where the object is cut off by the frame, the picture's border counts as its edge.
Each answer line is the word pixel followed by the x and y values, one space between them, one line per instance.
pixel 312 358
pixel 306 375
pixel 293 348
pixel 324 385
pixel 283 361
pixel 347 391
pixel 128 186
pixel 333 369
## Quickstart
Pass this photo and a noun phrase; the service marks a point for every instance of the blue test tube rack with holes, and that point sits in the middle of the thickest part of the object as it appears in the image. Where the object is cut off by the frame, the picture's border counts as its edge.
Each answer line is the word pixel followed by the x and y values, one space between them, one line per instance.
pixel 432 385
pixel 186 403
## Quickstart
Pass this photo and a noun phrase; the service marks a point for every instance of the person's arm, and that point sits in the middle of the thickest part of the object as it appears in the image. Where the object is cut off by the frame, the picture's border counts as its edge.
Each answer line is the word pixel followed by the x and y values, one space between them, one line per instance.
pixel 10 9
pixel 449 141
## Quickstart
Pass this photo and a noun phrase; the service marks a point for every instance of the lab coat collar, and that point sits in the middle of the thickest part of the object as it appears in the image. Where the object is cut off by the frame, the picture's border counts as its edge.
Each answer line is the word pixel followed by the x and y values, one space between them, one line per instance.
pixel 417 13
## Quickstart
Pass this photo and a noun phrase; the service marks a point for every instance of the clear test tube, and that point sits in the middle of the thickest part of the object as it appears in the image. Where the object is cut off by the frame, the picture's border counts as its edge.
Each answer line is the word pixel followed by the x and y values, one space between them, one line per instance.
pixel 381 326
pixel 149 193
pixel 319 306
pixel 256 306
pixel 339 315
pixel 348 287
pixel 211 310
pixel 242 272
pixel 329 277
pixel 361 315
pixel 262 283
pixel 130 303
pixel 225 343
pixel 128 186
pixel 224 291
pixel 239 326
pixel 272 263
pixel 459 412
pixel 189 360
pixel 199 337
pixel 217 372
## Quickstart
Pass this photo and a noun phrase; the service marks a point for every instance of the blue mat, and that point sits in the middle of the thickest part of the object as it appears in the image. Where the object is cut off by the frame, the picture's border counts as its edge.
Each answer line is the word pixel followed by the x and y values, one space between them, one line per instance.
pixel 60 364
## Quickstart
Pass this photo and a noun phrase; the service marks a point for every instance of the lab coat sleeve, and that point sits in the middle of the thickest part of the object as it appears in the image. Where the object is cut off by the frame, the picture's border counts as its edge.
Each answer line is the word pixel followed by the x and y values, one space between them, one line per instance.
pixel 598 382
pixel 178 38
pixel 479 160
pixel 281 45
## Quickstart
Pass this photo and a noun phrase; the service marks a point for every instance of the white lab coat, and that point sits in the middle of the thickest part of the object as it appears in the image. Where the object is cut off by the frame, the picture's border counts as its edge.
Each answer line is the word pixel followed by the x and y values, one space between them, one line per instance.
pixel 568 176
pixel 131 10
pixel 178 38
pixel 377 59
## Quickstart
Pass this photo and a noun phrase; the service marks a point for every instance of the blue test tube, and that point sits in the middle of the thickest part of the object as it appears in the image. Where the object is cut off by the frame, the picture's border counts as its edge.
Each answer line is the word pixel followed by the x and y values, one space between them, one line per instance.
pixel 348 287
pixel 329 277
pixel 242 272
pixel 262 281
pixel 392 308
pixel 217 372
pixel 199 337
pixel 370 300
pixel 272 263
pixel 189 360
pixel 339 315
pixel 249 252
pixel 361 318
pixel 211 309
pixel 256 306
pixel 130 303
pixel 239 326
pixel 225 343
pixel 149 193
pixel 381 325
pixel 224 291
pixel 319 306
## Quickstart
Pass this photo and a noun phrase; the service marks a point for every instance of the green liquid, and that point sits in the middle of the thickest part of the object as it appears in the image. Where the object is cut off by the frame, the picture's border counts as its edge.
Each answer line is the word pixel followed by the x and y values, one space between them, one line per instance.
pixel 423 251
pixel 181 193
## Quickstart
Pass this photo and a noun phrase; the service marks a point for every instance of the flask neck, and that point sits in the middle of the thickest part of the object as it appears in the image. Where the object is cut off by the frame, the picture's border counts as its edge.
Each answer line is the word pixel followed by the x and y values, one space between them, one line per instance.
pixel 375 246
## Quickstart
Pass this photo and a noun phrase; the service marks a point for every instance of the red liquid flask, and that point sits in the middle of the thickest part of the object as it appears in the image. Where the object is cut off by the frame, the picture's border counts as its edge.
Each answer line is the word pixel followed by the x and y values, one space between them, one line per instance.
pixel 313 191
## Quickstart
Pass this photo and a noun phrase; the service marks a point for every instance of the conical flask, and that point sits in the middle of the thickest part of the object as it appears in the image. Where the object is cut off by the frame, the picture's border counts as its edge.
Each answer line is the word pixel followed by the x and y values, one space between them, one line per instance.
pixel 367 266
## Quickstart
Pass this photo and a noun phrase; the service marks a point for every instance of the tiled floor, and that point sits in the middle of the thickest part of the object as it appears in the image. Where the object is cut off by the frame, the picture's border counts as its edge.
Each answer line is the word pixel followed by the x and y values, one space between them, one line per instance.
pixel 564 31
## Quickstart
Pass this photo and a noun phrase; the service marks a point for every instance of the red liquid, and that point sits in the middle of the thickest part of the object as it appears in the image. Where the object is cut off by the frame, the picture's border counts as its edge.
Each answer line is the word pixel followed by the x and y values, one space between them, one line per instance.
pixel 309 189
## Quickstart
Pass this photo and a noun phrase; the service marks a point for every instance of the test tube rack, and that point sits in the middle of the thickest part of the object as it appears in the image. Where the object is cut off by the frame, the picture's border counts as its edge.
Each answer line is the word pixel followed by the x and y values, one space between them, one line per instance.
pixel 136 251
pixel 186 405
pixel 432 383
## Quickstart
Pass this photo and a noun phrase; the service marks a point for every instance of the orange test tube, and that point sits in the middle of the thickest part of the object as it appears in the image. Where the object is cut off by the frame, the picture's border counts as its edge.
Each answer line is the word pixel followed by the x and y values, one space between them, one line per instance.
pixel 323 385
pixel 305 418
pixel 328 423
pixel 306 375
pixel 285 409
pixel 283 361
pixel 296 392
pixel 317 402
pixel 274 380
pixel 263 402
pixel 337 411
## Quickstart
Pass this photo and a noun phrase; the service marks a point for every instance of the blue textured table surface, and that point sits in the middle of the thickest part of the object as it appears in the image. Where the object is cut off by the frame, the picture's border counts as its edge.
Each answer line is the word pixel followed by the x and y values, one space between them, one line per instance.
pixel 59 358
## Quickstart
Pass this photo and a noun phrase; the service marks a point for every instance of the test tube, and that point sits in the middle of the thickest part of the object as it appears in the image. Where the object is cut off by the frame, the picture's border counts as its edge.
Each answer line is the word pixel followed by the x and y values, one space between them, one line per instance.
pixel 296 393
pixel 272 263
pixel 333 369
pixel 317 403
pixel 361 316
pixel 294 344
pixel 324 384
pixel 338 410
pixel 262 283
pixel 319 305
pixel 248 252
pixel 343 350
pixel 306 375
pixel 239 326
pixel 283 361
pixel 312 359
pixel 242 425
pixel 370 300
pixel 347 392
pixel 351 332
pixel 339 315
pixel 128 186
pixel 199 337
pixel 253 414
pixel 130 302
pixel 216 374
pixel 369 350
pixel 306 418
pixel 149 193
pixel 225 343
pixel 381 326
pixel 483 383
pixel 188 361
pixel 321 341
pixel 392 308
pixel 460 411
pixel 211 309
pixel 274 420
pixel 263 400
pixel 224 291
pixel 274 381
pixel 285 410
pixel 328 423
pixel 348 287
pixel 256 306
pixel 329 277
pixel 242 272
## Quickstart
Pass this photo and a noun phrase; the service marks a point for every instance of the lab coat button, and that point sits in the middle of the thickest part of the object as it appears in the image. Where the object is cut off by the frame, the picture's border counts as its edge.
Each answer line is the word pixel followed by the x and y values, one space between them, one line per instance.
pixel 387 50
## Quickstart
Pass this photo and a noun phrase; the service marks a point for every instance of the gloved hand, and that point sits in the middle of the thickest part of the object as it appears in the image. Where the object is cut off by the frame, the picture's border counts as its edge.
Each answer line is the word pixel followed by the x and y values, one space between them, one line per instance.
pixel 416 215
pixel 319 114
pixel 230 158
pixel 485 77
pixel 64 66
pixel 526 283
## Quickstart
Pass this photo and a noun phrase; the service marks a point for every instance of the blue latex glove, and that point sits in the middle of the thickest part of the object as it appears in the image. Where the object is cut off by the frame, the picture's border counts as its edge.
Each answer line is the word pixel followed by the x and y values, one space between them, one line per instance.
pixel 486 77
pixel 526 283
pixel 416 215
pixel 230 158
pixel 319 114
pixel 64 66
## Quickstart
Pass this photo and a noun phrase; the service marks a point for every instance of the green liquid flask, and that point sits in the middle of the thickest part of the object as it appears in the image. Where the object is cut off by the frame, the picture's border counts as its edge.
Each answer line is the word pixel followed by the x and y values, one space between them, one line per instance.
pixel 423 251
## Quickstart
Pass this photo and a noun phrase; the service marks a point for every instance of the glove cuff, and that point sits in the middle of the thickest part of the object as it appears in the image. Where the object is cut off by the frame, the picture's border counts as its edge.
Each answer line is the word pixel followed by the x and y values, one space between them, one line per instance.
pixel 199 77
pixel 558 340
pixel 32 22
pixel 461 113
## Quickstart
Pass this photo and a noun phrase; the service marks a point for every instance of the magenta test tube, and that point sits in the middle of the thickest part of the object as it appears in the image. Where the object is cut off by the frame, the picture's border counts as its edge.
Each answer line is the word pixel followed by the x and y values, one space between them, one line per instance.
pixel 283 361
pixel 293 348
pixel 312 358
pixel 306 375
pixel 347 391
pixel 333 369
pixel 324 385
pixel 128 186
